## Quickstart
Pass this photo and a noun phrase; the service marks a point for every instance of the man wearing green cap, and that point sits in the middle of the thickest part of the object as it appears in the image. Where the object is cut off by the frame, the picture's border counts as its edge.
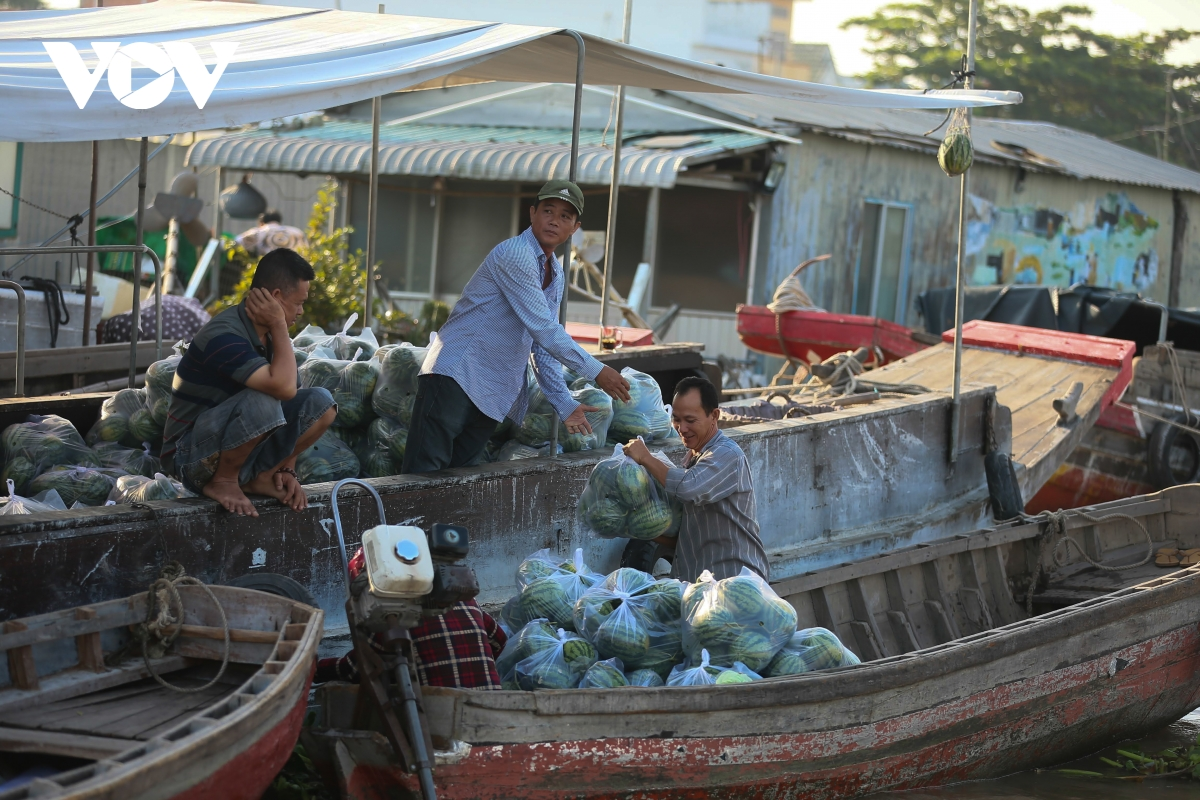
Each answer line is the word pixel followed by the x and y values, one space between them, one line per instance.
pixel 474 375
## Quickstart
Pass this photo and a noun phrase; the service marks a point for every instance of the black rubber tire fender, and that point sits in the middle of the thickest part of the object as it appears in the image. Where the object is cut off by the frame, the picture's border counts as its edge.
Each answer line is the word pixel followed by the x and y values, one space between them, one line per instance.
pixel 642 555
pixel 276 584
pixel 1163 439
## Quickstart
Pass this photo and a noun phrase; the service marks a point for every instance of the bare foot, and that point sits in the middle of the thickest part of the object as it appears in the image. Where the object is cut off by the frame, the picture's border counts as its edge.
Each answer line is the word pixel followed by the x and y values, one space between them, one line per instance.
pixel 230 495
pixel 280 485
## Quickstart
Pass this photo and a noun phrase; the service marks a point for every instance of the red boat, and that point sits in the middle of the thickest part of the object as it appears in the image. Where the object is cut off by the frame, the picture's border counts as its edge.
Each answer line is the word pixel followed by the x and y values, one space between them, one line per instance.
pixel 958 683
pixel 1110 463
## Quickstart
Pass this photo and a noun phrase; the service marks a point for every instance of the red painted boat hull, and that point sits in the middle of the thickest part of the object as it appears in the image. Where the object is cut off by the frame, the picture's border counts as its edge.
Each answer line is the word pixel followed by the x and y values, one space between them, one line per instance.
pixel 822 333
pixel 1039 721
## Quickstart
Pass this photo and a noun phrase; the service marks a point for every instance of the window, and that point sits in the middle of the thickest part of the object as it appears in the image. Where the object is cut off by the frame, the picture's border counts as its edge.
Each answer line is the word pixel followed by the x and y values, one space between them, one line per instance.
pixel 881 274
pixel 10 181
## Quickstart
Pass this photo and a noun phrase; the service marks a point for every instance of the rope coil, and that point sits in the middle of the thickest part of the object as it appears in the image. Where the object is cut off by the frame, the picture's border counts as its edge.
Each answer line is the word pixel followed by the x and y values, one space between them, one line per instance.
pixel 163 625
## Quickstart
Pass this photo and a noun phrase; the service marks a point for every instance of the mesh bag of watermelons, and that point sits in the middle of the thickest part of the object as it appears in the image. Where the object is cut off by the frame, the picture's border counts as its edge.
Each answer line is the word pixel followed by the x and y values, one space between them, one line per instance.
pixel 606 674
pixel 397 387
pixel 635 618
pixel 34 446
pixel 130 460
pixel 548 587
pixel 736 619
pixel 328 459
pixel 809 650
pixel 542 656
pixel 91 487
pixel 343 345
pixel 644 677
pixel 643 414
pixel 957 153
pixel 160 377
pixel 599 419
pixel 621 499
pixel 14 503
pixel 140 489
pixel 113 424
pixel 350 381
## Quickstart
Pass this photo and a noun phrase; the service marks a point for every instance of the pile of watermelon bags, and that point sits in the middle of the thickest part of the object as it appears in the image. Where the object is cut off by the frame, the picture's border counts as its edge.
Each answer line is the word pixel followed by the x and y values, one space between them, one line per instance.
pixel 570 627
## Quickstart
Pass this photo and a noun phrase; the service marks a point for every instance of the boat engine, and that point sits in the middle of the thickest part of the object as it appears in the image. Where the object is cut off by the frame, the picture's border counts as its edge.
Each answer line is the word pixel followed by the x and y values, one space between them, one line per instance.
pixel 404 576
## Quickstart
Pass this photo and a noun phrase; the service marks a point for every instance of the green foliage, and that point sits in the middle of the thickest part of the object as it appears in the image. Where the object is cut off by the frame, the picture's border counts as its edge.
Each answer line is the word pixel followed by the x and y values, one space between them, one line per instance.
pixel 1111 86
pixel 340 283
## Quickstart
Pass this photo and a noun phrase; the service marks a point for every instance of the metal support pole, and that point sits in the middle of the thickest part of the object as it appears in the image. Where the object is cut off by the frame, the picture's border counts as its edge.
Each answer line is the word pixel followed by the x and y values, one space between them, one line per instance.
pixel 572 174
pixel 214 271
pixel 89 283
pixel 372 206
pixel 19 383
pixel 960 268
pixel 614 191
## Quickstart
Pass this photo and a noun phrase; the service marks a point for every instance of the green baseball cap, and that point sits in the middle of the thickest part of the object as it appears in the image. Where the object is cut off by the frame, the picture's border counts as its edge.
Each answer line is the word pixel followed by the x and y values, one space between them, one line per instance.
pixel 563 190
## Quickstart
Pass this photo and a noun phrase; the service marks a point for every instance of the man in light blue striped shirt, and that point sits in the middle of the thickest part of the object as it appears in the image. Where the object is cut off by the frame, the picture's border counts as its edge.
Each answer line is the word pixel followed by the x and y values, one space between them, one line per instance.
pixel 474 375
pixel 719 532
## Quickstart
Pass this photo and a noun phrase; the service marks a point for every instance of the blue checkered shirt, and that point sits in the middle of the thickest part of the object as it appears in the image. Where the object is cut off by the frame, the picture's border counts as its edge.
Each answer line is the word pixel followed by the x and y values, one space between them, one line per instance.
pixel 503 315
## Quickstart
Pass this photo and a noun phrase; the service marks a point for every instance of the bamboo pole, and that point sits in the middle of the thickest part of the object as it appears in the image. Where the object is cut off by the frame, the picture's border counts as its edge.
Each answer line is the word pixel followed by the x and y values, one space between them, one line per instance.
pixel 614 191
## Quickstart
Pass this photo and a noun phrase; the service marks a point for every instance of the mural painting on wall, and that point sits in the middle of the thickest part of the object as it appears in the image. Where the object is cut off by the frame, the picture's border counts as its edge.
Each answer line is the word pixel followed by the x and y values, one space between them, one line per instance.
pixel 1111 244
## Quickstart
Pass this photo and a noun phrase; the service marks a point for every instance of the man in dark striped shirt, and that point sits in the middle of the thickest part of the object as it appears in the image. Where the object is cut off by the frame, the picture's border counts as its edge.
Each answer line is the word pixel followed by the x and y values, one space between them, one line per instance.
pixel 238 418
pixel 719 532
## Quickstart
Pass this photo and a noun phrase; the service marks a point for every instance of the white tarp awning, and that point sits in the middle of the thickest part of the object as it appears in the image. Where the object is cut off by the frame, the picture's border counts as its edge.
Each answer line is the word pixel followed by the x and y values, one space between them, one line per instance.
pixel 159 62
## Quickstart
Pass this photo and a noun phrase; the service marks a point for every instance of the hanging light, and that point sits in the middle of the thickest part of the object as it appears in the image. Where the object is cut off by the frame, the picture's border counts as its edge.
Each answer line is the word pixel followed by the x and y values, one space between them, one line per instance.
pixel 243 201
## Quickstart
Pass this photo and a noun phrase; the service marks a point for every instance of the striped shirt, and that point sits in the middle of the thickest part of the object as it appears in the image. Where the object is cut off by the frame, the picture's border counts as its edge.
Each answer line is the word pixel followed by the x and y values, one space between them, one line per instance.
pixel 720 527
pixel 224 353
pixel 503 315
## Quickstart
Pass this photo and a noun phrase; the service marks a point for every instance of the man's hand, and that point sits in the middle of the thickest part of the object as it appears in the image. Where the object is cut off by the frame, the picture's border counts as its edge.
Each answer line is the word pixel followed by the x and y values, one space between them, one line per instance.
pixel 577 422
pixel 264 310
pixel 613 384
pixel 636 449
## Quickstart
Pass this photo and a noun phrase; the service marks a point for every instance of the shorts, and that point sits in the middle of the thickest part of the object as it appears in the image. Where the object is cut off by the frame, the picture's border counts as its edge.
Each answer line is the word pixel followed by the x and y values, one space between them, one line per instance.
pixel 245 416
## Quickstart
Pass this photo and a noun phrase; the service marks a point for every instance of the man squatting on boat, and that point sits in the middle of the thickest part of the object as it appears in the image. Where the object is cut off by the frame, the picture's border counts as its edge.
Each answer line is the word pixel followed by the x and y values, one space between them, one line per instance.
pixel 719 532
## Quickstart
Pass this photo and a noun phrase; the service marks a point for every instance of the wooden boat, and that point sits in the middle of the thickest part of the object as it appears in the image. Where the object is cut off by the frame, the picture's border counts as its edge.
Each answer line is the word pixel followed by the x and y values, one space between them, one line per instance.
pixel 81 718
pixel 958 682
pixel 812 336
pixel 834 486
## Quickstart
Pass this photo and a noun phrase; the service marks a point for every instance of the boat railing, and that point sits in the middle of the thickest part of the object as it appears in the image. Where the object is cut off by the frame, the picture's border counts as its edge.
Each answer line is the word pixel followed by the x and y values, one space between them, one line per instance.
pixel 19 386
pixel 134 328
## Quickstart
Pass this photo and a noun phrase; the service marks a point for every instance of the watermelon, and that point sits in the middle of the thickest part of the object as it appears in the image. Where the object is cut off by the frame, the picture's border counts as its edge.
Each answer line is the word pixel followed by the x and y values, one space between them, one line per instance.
pixel 320 372
pixel 87 486
pixel 632 485
pixel 20 471
pixel 549 675
pixel 751 648
pixel 108 429
pixel 160 409
pixel 143 428
pixel 741 596
pixel 644 677
pixel 956 153
pixel 544 597
pixel 535 429
pixel 729 677
pixel 624 637
pixel 604 675
pixel 626 426
pixel 667 600
pixel 576 649
pixel 650 521
pixel 606 517
pixel 379 465
pixel 353 410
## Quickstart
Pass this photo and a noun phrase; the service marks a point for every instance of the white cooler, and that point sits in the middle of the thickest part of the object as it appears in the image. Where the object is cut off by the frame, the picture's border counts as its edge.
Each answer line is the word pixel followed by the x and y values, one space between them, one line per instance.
pixel 37 322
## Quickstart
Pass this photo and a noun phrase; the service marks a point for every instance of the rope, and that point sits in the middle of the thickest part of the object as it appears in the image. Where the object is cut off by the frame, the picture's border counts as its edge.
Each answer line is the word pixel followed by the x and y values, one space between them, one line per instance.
pixel 1056 532
pixel 1177 385
pixel 56 305
pixel 957 76
pixel 162 596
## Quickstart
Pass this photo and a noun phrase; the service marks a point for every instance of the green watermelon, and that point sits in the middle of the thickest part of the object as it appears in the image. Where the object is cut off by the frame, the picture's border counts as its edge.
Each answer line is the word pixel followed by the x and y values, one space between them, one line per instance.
pixel 956 153
pixel 578 650
pixel 729 677
pixel 360 378
pixel 143 428
pixel 531 569
pixel 379 465
pixel 743 597
pixel 650 521
pixel 632 485
pixel 715 629
pixel 88 486
pixel 624 638
pixel 353 410
pixel 320 372
pixel 603 675
pixel 550 675
pixel 628 580
pixel 778 617
pixel 535 429
pixel 667 600
pixel 626 426
pixel 644 677
pixel 606 517
pixel 108 429
pixel 786 662
pixel 752 649
pixel 160 409
pixel 544 597
pixel 20 471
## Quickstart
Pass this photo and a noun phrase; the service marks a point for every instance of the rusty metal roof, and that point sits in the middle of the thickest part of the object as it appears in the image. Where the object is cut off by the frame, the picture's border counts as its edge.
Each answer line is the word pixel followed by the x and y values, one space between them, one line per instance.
pixel 465 151
pixel 1035 146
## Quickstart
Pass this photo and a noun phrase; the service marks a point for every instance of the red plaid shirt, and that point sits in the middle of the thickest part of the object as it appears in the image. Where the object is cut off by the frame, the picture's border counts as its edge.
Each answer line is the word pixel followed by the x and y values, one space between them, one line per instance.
pixel 457 649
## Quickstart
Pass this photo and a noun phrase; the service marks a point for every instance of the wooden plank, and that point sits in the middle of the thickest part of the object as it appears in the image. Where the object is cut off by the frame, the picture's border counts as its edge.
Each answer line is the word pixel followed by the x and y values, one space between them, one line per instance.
pixel 80 360
pixel 235 634
pixel 903 631
pixel 22 669
pixel 864 619
pixel 71 683
pixel 75 745
pixel 87 645
pixel 65 625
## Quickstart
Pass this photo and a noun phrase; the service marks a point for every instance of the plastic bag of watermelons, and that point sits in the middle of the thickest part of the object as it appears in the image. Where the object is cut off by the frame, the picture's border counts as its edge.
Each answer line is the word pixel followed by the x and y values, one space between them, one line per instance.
pixel 643 414
pixel 809 650
pixel 91 487
pixel 736 619
pixel 131 460
pixel 397 387
pixel 139 489
pixel 705 673
pixel 160 376
pixel 635 618
pixel 606 674
pixel 113 424
pixel 382 452
pixel 644 677
pixel 599 419
pixel 541 656
pixel 16 504
pixel 622 500
pixel 351 382
pixel 32 447
pixel 548 587
pixel 343 345
pixel 328 459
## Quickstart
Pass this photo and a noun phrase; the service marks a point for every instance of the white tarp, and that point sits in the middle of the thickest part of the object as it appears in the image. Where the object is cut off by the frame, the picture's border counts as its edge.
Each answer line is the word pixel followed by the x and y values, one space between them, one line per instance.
pixel 160 59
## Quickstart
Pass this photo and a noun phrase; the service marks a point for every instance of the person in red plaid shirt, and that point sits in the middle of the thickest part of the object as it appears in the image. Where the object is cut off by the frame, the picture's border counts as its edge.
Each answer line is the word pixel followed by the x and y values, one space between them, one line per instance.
pixel 457 649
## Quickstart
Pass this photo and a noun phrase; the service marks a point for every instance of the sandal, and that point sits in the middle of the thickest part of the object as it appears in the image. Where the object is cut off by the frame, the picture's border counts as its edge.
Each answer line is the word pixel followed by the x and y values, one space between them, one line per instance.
pixel 1189 558
pixel 1167 557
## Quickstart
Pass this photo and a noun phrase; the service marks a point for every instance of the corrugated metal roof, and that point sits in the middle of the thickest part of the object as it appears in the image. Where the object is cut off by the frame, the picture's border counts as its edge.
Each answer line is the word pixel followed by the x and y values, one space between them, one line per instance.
pixel 1039 146
pixel 461 151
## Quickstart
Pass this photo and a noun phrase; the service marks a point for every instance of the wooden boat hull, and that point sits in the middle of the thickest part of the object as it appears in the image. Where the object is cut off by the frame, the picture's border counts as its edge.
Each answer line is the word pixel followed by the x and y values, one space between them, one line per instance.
pixel 1004 694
